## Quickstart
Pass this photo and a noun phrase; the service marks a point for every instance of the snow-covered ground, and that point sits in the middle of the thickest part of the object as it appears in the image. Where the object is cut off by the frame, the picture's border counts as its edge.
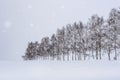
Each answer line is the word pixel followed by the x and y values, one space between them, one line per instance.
pixel 60 70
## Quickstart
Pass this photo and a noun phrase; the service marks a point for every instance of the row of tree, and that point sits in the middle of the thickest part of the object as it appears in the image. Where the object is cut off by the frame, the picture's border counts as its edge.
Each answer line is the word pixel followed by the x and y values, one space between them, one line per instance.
pixel 79 41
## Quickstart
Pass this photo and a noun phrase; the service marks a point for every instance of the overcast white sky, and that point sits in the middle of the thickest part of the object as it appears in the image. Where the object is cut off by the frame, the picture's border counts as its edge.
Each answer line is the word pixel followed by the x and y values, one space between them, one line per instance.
pixel 22 21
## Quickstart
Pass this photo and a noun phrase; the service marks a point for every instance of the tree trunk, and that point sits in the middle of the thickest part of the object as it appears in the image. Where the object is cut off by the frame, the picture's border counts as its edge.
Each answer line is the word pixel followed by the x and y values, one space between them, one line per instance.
pixel 109 53
pixel 68 57
pixel 96 51
pixel 92 52
pixel 100 48
pixel 84 54
pixel 72 55
pixel 115 58
pixel 79 56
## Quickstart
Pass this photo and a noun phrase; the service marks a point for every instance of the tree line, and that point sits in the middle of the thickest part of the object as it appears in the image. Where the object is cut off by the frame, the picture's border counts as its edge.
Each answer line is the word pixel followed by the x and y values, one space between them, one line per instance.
pixel 78 41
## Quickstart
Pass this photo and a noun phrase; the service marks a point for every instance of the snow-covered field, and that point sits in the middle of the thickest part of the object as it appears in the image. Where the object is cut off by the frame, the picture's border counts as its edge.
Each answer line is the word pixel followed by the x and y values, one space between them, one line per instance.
pixel 60 70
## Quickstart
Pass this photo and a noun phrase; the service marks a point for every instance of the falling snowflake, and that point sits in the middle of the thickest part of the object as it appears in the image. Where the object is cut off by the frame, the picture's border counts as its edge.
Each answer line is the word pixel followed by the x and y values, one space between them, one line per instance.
pixel 29 6
pixel 31 25
pixel 7 24
pixel 62 7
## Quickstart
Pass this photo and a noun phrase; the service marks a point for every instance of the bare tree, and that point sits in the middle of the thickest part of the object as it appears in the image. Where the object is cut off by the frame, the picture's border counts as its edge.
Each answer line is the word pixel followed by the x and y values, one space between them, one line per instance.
pixel 114 26
pixel 96 38
pixel 96 33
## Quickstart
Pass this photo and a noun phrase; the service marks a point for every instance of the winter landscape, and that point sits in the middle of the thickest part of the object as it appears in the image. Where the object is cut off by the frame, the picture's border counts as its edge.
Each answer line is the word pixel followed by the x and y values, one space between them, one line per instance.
pixel 59 40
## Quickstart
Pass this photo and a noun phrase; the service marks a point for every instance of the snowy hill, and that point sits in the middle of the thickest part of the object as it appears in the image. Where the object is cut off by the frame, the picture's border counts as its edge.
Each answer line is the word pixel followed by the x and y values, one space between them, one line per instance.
pixel 60 70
